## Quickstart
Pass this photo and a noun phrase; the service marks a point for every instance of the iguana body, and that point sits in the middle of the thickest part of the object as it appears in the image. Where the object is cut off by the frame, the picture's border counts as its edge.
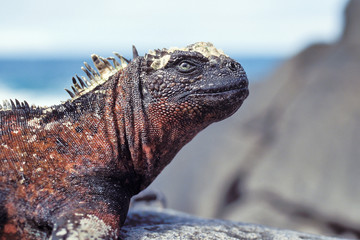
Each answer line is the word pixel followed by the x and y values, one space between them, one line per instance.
pixel 69 171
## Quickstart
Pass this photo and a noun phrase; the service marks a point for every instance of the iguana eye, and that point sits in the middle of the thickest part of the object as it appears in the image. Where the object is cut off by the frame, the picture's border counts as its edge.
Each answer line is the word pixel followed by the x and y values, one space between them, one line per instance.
pixel 185 66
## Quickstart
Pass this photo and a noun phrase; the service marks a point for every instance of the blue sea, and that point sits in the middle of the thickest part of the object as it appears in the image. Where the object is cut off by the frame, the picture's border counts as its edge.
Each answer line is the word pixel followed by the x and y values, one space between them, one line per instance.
pixel 43 81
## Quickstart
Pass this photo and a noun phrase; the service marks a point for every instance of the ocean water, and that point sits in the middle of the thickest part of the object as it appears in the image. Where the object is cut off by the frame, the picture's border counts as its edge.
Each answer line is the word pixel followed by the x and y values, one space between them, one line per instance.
pixel 42 82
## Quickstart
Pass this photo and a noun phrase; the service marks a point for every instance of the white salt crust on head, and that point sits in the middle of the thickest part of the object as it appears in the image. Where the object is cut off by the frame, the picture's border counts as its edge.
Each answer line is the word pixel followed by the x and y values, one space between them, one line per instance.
pixel 205 48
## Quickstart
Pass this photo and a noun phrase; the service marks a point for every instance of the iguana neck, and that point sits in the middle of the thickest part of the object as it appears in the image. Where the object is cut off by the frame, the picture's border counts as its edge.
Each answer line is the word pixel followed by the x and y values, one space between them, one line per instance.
pixel 132 123
pixel 150 138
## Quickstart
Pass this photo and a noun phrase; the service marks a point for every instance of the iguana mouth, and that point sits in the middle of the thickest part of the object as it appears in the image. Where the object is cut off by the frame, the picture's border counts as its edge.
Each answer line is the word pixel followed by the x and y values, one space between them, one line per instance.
pixel 216 89
pixel 220 89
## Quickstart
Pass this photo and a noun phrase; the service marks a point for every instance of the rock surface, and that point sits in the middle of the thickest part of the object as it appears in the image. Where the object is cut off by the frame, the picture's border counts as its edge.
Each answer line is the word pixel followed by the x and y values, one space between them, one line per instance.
pixel 290 157
pixel 151 223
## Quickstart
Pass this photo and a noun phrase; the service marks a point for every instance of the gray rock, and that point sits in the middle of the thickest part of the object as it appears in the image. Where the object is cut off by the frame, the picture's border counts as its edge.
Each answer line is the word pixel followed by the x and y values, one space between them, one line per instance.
pixel 150 223
pixel 307 153
pixel 351 34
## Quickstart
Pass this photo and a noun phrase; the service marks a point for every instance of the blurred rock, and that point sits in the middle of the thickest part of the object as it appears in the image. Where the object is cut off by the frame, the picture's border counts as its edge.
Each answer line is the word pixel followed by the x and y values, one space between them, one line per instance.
pixel 148 198
pixel 352 31
pixel 151 223
pixel 290 157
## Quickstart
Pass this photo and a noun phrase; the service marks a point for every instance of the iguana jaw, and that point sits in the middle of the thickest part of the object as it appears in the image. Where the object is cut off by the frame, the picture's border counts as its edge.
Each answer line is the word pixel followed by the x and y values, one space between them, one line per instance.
pixel 221 88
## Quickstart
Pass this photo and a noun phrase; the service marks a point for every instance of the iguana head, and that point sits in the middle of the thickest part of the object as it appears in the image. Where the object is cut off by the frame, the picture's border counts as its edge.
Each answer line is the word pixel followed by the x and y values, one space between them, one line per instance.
pixel 196 84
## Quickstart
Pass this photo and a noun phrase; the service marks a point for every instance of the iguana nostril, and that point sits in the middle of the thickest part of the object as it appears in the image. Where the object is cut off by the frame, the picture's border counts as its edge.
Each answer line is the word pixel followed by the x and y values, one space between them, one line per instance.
pixel 232 66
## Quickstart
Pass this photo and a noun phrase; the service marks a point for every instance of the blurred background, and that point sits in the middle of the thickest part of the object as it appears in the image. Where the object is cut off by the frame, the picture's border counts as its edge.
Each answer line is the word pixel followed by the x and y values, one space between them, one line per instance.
pixel 289 158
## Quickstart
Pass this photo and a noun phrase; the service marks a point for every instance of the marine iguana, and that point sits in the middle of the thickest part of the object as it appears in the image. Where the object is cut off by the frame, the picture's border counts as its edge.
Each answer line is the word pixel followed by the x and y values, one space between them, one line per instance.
pixel 68 171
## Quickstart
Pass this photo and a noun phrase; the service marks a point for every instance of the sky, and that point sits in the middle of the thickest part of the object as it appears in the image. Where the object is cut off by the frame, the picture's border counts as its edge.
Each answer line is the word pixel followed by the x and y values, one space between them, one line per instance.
pixel 67 28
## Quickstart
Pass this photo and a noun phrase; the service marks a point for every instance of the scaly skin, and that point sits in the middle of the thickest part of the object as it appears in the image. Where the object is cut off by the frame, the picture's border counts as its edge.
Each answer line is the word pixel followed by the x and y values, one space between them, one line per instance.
pixel 69 171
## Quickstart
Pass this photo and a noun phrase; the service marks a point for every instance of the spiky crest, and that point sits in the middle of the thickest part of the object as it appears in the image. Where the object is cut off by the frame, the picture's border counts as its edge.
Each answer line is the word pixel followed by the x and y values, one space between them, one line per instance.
pixel 81 85
pixel 10 105
pixel 105 70
pixel 156 59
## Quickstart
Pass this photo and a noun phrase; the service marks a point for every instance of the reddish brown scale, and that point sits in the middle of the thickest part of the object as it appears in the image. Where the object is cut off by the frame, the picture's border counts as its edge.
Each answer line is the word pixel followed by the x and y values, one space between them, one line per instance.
pixel 69 171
